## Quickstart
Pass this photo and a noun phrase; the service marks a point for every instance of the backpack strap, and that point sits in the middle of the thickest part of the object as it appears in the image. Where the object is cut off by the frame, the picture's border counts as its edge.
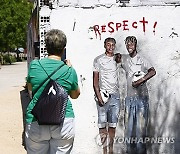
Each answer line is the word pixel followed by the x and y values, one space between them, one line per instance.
pixel 49 76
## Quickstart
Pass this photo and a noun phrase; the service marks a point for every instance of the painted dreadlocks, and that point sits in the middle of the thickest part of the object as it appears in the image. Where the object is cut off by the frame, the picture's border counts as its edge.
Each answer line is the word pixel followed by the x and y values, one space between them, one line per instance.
pixel 131 39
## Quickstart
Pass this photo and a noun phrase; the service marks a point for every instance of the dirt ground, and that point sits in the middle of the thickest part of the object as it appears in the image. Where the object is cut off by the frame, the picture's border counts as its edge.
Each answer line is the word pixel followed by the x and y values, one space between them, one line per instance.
pixel 12 80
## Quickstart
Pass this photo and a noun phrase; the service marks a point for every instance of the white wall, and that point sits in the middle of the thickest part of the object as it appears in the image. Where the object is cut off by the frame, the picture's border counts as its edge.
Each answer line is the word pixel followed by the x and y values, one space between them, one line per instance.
pixel 161 47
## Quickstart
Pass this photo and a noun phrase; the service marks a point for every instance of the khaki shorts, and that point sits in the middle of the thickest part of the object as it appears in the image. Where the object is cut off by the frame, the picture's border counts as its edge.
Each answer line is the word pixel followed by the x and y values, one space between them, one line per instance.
pixel 50 139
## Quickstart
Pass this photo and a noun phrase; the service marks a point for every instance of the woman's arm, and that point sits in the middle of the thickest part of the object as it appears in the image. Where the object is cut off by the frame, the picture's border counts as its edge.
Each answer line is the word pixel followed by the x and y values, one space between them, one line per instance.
pixel 75 93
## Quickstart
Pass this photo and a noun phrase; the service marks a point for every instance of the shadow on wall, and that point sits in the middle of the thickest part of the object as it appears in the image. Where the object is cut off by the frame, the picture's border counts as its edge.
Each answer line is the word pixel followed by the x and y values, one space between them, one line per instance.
pixel 164 124
pixel 177 131
pixel 164 118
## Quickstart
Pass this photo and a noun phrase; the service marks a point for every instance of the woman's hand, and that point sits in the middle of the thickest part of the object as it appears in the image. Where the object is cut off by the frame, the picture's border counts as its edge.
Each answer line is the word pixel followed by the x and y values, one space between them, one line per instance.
pixel 67 62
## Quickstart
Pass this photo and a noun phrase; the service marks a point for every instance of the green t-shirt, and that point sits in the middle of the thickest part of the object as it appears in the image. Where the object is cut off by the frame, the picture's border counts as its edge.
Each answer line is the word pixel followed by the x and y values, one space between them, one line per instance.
pixel 36 75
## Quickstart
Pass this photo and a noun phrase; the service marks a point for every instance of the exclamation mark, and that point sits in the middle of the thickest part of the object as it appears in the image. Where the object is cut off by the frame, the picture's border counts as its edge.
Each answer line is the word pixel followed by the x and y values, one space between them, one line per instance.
pixel 74 24
pixel 154 27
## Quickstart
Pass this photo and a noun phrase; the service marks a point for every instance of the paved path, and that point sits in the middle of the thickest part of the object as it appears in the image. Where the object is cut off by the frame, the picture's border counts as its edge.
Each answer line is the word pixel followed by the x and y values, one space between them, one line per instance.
pixel 12 75
pixel 12 80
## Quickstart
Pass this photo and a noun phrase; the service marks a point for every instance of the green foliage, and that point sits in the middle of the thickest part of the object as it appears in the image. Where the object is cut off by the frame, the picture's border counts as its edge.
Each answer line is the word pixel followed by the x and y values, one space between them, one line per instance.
pixel 8 59
pixel 14 17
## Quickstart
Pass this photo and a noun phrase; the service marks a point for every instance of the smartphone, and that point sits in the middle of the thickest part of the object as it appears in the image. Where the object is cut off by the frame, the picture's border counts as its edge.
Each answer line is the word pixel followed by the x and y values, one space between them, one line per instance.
pixel 64 55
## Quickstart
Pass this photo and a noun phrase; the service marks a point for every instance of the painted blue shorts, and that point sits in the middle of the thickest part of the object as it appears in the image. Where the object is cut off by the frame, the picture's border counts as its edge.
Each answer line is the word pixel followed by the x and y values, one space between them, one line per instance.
pixel 136 120
pixel 109 112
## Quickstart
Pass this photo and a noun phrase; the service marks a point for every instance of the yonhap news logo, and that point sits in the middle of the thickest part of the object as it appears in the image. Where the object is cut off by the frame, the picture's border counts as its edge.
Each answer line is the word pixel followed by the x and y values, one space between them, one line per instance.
pixel 130 140
pixel 103 140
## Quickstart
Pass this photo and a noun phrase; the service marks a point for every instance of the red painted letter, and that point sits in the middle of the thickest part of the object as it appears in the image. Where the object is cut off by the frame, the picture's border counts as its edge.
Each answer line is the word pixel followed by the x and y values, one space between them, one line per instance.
pixel 134 24
pixel 144 24
pixel 125 25
pixel 96 30
pixel 109 25
pixel 103 28
pixel 118 25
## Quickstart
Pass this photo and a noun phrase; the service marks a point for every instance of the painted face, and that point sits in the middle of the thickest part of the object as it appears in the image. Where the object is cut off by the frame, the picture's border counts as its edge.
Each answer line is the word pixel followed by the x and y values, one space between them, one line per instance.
pixel 109 46
pixel 131 47
pixel 118 57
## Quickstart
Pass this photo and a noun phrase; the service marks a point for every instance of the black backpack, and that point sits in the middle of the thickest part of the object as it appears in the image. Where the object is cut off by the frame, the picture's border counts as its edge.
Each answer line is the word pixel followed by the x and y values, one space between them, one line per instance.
pixel 51 105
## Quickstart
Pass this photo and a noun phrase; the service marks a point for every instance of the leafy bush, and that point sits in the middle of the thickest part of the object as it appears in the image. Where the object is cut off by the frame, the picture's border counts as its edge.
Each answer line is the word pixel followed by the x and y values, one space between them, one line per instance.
pixel 8 59
pixel 0 59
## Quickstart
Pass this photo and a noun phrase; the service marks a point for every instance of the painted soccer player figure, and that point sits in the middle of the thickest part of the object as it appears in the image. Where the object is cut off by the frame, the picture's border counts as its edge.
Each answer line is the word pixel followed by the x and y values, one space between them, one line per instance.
pixel 138 71
pixel 105 78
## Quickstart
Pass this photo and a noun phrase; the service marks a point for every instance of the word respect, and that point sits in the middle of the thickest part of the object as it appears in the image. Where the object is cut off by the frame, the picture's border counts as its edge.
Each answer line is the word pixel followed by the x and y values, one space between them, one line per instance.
pixel 111 27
